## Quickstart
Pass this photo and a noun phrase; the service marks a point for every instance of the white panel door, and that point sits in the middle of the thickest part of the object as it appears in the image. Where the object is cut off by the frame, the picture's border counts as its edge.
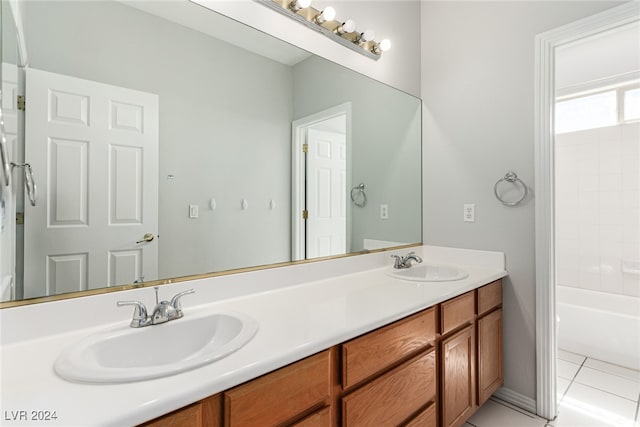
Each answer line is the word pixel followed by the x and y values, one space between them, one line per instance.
pixel 94 152
pixel 326 193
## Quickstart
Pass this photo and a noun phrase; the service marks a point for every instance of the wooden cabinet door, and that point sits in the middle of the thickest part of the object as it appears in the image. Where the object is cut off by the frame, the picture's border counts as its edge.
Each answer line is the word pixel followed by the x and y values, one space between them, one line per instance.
pixel 489 355
pixel 458 377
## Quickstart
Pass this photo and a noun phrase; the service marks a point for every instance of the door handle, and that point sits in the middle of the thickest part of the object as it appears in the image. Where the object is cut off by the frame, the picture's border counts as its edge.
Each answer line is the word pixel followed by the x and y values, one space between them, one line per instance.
pixel 146 238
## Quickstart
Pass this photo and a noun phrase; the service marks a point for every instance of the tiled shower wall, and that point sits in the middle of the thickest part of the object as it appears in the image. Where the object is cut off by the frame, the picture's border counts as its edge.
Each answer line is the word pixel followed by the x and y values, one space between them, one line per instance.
pixel 597 174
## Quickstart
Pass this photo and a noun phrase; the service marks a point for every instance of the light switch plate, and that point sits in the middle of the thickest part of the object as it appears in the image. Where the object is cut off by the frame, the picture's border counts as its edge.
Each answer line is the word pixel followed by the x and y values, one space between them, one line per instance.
pixel 193 211
pixel 384 211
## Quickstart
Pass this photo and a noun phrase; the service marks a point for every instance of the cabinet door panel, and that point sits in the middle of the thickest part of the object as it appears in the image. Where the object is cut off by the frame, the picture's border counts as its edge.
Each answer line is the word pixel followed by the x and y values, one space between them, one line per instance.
pixel 489 297
pixel 426 418
pixel 458 377
pixel 457 312
pixel 281 395
pixel 489 355
pixel 392 398
pixel 364 356
pixel 321 418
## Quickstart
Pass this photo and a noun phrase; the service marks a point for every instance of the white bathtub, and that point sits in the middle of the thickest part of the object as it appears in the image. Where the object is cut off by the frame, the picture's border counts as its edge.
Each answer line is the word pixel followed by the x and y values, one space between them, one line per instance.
pixel 599 325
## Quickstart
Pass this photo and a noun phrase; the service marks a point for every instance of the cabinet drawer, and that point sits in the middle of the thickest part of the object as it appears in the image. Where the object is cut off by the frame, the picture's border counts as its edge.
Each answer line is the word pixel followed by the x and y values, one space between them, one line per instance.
pixel 364 356
pixel 207 412
pixel 185 417
pixel 392 398
pixel 426 418
pixel 457 312
pixel 489 297
pixel 321 418
pixel 281 395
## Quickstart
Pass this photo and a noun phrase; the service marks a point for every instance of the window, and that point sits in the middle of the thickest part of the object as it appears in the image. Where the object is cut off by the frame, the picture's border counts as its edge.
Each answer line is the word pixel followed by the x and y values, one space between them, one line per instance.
pixel 587 112
pixel 608 107
pixel 631 104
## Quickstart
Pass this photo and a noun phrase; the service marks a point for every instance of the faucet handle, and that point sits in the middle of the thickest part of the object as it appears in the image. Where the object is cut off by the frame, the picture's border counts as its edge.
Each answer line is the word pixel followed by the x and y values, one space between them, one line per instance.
pixel 175 301
pixel 398 261
pixel 140 317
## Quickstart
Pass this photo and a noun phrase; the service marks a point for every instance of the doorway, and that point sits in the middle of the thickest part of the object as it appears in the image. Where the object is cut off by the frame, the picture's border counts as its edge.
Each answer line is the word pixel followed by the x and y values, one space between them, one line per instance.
pixel 321 157
pixel 547 250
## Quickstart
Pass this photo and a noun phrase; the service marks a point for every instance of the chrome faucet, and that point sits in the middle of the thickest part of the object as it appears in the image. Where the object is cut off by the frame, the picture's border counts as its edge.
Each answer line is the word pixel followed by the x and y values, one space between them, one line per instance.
pixel 164 311
pixel 405 261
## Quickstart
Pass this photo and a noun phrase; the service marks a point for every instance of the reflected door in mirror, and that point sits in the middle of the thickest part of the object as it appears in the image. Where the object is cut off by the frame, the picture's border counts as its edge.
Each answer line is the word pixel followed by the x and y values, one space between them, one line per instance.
pixel 326 189
pixel 94 151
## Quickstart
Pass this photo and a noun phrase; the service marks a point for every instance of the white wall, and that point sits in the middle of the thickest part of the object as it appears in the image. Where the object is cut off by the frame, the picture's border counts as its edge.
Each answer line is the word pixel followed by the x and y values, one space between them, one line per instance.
pixel 478 94
pixel 614 50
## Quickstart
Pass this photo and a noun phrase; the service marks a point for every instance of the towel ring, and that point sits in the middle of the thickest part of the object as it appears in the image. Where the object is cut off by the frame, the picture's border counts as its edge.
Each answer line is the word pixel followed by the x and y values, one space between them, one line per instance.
pixel 358 196
pixel 511 177
pixel 29 182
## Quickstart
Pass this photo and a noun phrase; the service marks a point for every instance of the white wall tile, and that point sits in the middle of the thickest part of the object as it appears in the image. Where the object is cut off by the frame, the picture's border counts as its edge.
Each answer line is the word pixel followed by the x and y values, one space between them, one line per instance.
pixel 598 207
pixel 608 134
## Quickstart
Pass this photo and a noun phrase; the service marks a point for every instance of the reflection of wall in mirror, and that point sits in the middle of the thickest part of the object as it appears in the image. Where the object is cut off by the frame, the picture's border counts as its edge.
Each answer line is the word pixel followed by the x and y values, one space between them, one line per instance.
pixel 386 147
pixel 224 125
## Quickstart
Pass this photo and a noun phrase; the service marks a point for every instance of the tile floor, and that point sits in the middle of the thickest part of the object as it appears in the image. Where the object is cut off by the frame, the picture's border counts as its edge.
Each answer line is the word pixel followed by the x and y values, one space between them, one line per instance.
pixel 591 394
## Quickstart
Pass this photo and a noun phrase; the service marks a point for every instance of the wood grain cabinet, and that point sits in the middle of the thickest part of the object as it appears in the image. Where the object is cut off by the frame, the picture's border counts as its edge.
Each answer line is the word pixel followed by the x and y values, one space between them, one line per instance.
pixel 205 413
pixel 389 375
pixel 471 352
pixel 432 368
pixel 283 396
pixel 489 337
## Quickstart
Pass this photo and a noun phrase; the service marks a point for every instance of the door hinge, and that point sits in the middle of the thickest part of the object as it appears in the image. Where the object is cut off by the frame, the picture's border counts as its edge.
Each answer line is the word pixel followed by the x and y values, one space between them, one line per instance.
pixel 305 148
pixel 21 102
pixel 19 217
pixel 305 214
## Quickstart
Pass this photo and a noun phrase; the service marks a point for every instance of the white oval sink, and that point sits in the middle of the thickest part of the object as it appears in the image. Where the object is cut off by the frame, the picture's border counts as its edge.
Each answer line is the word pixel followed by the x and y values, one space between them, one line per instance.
pixel 128 354
pixel 429 273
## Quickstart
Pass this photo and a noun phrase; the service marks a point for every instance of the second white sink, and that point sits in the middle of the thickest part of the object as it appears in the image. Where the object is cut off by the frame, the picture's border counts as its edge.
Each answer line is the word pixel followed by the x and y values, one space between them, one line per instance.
pixel 129 354
pixel 429 273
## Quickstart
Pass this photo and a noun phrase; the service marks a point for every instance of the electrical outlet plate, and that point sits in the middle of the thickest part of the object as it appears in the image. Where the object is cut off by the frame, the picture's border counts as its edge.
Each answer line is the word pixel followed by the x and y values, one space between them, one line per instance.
pixel 469 212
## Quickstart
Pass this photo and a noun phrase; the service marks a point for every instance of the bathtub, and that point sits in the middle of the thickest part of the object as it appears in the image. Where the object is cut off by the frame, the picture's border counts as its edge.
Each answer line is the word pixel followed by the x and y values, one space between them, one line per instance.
pixel 599 325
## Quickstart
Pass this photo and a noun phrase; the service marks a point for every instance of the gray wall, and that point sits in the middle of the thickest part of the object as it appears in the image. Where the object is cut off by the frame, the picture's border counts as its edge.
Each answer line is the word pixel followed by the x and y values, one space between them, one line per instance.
pixel 478 91
pixel 218 141
pixel 385 153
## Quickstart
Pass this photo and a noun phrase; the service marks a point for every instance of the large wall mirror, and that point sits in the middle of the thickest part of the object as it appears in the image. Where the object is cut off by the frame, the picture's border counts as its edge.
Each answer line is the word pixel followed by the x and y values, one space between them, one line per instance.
pixel 166 140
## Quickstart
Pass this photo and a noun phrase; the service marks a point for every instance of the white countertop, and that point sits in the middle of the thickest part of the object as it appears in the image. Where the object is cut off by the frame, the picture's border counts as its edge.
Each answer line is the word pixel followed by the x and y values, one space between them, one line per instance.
pixel 295 321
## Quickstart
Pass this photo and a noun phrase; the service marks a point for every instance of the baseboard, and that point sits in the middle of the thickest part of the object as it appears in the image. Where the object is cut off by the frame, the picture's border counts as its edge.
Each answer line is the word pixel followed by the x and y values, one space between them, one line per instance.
pixel 516 399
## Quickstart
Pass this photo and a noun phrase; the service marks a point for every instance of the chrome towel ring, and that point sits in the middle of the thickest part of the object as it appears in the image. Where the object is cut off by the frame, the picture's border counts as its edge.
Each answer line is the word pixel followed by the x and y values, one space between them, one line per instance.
pixel 29 182
pixel 358 196
pixel 513 178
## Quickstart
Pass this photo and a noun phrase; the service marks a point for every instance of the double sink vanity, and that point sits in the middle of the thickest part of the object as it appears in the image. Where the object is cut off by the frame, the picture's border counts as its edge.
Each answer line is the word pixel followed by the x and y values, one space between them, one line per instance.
pixel 349 341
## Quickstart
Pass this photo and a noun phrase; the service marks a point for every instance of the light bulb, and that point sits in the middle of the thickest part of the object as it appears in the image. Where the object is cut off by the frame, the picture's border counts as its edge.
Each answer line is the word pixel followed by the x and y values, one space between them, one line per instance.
pixel 348 26
pixel 300 4
pixel 385 45
pixel 367 36
pixel 328 14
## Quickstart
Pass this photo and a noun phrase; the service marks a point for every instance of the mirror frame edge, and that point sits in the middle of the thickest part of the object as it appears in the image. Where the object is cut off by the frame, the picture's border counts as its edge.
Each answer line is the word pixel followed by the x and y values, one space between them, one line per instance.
pixel 119 288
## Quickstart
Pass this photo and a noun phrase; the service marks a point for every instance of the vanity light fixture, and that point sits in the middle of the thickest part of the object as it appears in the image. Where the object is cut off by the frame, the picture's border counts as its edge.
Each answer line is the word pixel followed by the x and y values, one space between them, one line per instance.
pixel 325 22
pixel 328 14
